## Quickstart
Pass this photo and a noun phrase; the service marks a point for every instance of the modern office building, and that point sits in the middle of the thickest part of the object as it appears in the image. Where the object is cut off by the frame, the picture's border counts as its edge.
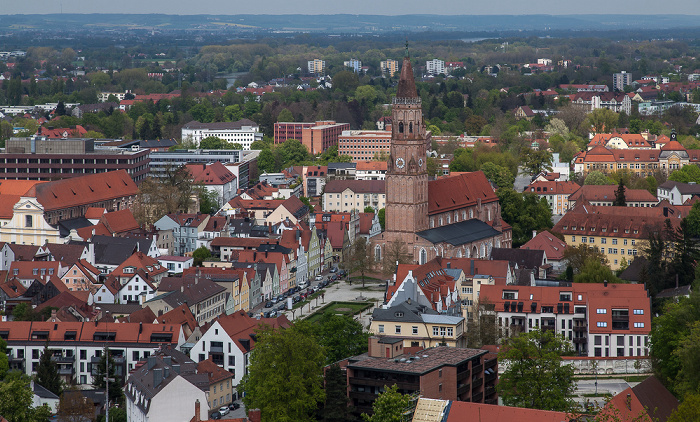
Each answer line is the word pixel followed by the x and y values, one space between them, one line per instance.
pixel 316 137
pixel 243 132
pixel 243 164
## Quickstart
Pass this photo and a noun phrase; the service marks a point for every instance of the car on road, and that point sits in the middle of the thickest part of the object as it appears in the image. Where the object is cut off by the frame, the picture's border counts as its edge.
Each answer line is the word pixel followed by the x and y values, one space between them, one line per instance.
pixel 333 270
pixel 215 415
pixel 274 300
pixel 234 406
pixel 342 273
pixel 303 285
pixel 223 410
pixel 318 277
pixel 269 304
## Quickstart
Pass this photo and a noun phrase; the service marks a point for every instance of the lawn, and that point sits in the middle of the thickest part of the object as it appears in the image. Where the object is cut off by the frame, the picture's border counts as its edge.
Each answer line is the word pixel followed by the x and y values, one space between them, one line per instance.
pixel 340 308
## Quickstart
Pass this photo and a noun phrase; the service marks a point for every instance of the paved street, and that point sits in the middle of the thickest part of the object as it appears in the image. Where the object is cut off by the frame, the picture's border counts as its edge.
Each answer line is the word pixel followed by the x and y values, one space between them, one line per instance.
pixel 610 386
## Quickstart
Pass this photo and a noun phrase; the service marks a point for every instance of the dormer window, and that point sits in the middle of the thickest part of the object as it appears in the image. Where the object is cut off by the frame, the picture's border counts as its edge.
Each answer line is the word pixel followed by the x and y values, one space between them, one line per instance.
pixel 129 270
pixel 398 314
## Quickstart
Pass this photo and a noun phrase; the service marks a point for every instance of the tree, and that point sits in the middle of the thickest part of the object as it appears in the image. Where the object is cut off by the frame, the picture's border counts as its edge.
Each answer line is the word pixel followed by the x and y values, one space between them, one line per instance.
pixel 22 312
pixel 684 253
pixel 285 116
pixel 688 410
pixel 285 375
pixel 214 142
pixel 481 326
pixel 620 200
pixel 208 201
pixel 369 209
pixel 602 120
pixel 693 220
pixel 525 212
pixel 578 256
pixel 432 166
pixel 595 272
pixel 597 178
pixel 345 81
pixel 535 161
pixel 536 378
pixel 200 255
pixel 501 176
pixel 686 174
pixel 389 406
pixel 292 152
pixel 381 215
pixel 116 394
pixel 395 253
pixel 360 258
pixel 4 361
pixel 340 336
pixel 47 372
pixel 74 407
pixel 337 406
pixel 16 400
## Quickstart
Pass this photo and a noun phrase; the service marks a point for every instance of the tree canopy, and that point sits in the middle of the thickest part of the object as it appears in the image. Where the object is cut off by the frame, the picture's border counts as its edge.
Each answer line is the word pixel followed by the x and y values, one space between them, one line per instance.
pixel 340 336
pixel 535 377
pixel 285 377
pixel 389 406
pixel 686 174
pixel 525 212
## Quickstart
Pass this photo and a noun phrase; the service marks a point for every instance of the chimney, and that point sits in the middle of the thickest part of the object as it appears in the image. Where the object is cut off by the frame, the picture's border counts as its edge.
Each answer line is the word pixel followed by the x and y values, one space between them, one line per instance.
pixel 166 372
pixel 167 360
pixel 254 415
pixel 140 327
pixel 151 362
pixel 197 417
pixel 182 288
pixel 449 265
pixel 176 368
pixel 53 311
pixel 605 283
pixel 534 233
pixel 628 402
pixel 157 376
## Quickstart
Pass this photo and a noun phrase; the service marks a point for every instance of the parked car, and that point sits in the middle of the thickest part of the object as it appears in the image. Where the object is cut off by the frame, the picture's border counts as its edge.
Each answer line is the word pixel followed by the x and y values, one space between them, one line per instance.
pixel 274 300
pixel 303 285
pixel 318 277
pixel 223 410
pixel 333 270
pixel 342 273
pixel 234 406
pixel 215 415
pixel 269 304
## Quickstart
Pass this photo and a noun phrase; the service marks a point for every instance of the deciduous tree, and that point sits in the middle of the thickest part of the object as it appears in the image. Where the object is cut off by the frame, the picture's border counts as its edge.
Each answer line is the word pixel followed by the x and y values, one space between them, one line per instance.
pixel 360 258
pixel 395 253
pixel 73 406
pixel 535 377
pixel 341 336
pixel 285 377
pixel 389 406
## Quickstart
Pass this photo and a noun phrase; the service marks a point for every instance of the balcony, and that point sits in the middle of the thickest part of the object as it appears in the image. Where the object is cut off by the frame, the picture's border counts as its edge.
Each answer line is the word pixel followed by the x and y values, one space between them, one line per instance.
pixel 373 382
pixel 216 349
pixel 477 383
pixel 580 340
pixel 477 369
pixel 490 377
pixel 580 329
pixel 478 397
pixel 489 390
pixel 463 389
pixel 493 401
pixel 63 359
pixel 362 395
pixel 66 370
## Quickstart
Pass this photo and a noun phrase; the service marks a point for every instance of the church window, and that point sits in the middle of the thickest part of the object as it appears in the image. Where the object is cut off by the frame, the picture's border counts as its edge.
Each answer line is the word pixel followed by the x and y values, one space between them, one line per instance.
pixel 400 127
pixel 410 127
pixel 440 221
pixel 471 213
pixel 28 221
pixel 456 216
pixel 423 257
pixel 377 253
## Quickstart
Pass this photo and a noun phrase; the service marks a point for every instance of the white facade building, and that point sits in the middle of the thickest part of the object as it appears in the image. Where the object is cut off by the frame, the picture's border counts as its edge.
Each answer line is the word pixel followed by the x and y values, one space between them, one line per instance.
pixel 435 67
pixel 243 132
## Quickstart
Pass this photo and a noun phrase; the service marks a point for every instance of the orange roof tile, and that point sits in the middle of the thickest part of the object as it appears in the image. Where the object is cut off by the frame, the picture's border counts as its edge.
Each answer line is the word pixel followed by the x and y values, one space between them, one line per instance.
pixel 459 192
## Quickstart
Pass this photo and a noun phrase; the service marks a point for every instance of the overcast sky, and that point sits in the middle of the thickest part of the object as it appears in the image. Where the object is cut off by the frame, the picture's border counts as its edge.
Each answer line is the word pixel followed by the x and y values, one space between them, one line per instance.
pixel 369 7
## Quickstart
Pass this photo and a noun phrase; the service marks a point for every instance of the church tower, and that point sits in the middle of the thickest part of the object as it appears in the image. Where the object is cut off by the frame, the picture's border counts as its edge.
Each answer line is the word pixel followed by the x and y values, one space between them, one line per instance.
pixel 407 178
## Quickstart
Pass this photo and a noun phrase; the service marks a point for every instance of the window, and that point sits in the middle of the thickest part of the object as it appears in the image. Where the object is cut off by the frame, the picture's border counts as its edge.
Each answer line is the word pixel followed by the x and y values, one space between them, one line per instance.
pixel 231 361
pixel 573 238
pixel 398 329
pixel 601 311
pixel 35 354
pixel 27 221
pixel 414 329
pixel 638 312
pixel 602 324
pixel 638 325
pixel 450 331
pixel 603 240
pixel 614 241
pixel 436 331
pixel 381 328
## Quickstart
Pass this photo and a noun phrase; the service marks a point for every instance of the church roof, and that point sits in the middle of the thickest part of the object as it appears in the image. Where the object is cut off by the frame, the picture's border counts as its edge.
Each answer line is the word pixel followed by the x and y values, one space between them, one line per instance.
pixel 407 84
pixel 459 233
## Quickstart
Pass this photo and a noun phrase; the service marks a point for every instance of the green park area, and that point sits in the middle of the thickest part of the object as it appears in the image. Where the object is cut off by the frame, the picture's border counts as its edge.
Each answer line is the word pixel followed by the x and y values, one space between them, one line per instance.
pixel 340 308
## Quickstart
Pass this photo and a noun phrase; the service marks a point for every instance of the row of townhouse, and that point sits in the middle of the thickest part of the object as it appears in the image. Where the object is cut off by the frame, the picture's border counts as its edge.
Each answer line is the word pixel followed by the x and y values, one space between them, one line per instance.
pixel 76 347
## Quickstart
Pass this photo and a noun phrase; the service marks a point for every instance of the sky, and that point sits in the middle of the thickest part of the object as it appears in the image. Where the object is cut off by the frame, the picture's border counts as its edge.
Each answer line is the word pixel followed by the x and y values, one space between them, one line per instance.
pixel 366 7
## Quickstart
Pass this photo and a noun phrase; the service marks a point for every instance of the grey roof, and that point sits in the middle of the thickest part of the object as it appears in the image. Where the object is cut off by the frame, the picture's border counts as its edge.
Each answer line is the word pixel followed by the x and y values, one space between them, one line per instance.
pixel 115 250
pixel 675 292
pixel 683 188
pixel 524 258
pixel 43 392
pixel 118 309
pixel 189 289
pixel 240 226
pixel 65 226
pixel 442 319
pixel 634 271
pixel 158 371
pixel 273 247
pixel 460 233
pixel 403 312
pixel 334 166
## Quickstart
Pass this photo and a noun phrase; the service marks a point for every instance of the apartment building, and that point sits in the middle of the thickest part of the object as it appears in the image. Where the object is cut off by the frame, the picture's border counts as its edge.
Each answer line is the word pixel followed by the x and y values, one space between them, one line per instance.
pixel 599 319
pixel 556 193
pixel 243 132
pixel 316 66
pixel 435 67
pixel 364 145
pixel 389 67
pixel 348 195
pixel 76 347
pixel 604 195
pixel 316 137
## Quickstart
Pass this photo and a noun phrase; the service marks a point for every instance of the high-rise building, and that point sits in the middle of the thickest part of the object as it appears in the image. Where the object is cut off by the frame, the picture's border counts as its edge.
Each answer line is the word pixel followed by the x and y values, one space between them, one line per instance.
pixel 315 136
pixel 316 66
pixel 390 67
pixel 621 80
pixel 354 64
pixel 435 67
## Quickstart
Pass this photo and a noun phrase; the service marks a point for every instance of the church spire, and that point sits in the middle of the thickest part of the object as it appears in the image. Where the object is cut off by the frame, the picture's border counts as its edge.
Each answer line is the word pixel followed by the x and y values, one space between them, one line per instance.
pixel 407 85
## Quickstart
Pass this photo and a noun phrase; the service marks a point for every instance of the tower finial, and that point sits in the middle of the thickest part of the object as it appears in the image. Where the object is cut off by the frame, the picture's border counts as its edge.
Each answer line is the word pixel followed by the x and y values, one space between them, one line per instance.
pixel 406 54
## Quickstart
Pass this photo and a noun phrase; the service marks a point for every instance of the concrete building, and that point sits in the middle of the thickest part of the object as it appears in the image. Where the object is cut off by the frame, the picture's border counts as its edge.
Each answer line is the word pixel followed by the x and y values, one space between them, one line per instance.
pixel 390 67
pixel 435 67
pixel 41 158
pixel 243 132
pixel 354 64
pixel 348 195
pixel 316 66
pixel 621 80
pixel 364 145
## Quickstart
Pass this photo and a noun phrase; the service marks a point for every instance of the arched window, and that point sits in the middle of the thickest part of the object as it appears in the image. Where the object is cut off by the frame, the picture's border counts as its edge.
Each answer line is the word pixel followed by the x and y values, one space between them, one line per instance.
pixel 400 127
pixel 377 253
pixel 471 213
pixel 423 258
pixel 459 253
pixel 410 127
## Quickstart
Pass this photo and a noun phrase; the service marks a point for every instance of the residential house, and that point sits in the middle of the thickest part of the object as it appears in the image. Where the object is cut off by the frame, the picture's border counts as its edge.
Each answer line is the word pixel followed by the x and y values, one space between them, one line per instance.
pixel 175 264
pixel 164 387
pixel 677 193
pixel 205 298
pixel 348 195
pixel 556 193
pixel 553 249
pixel 221 392
pixel 646 402
pixel 216 179
pixel 605 195
pixel 186 229
pixel 370 170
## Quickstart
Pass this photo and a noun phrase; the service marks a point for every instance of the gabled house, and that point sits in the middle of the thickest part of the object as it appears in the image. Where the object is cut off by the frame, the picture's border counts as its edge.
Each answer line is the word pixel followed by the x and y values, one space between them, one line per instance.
pixel 28 271
pixel 111 252
pixel 136 289
pixel 205 298
pixel 81 276
pixel 186 229
pixel 229 341
pixel 149 268
pixel 11 252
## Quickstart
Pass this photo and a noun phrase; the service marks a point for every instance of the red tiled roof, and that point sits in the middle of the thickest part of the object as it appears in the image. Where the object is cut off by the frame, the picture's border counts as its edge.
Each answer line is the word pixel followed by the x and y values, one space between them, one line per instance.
pixel 357 186
pixel 592 193
pixel 213 371
pixel 85 331
pixel 459 191
pixel 211 174
pixel 182 315
pixel 140 261
pixel 552 188
pixel 253 204
pixel 94 213
pixel 120 221
pixel 86 189
pixel 26 269
pixel 17 187
pixel 67 132
pixel 552 246
pixel 477 412
pixel 239 242
pixel 371 166
pixel 144 315
pixel 239 326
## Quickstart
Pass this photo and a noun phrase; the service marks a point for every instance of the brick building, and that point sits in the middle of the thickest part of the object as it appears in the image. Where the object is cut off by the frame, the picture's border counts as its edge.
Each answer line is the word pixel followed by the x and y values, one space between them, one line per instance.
pixel 442 372
pixel 316 137
pixel 363 145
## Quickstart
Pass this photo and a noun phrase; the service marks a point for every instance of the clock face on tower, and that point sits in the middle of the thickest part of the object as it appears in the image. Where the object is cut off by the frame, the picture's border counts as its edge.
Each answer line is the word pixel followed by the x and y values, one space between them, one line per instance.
pixel 400 163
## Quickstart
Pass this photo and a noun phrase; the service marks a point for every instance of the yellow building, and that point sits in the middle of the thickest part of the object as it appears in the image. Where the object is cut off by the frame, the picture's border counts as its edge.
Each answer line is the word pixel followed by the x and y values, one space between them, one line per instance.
pixel 419 326
pixel 615 231
pixel 390 67
pixel 220 391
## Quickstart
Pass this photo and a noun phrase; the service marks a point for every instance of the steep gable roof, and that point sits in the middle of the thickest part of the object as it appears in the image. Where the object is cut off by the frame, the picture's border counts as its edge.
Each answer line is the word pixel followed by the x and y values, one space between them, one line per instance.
pixel 456 192
pixel 211 174
pixel 545 241
pixel 357 186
